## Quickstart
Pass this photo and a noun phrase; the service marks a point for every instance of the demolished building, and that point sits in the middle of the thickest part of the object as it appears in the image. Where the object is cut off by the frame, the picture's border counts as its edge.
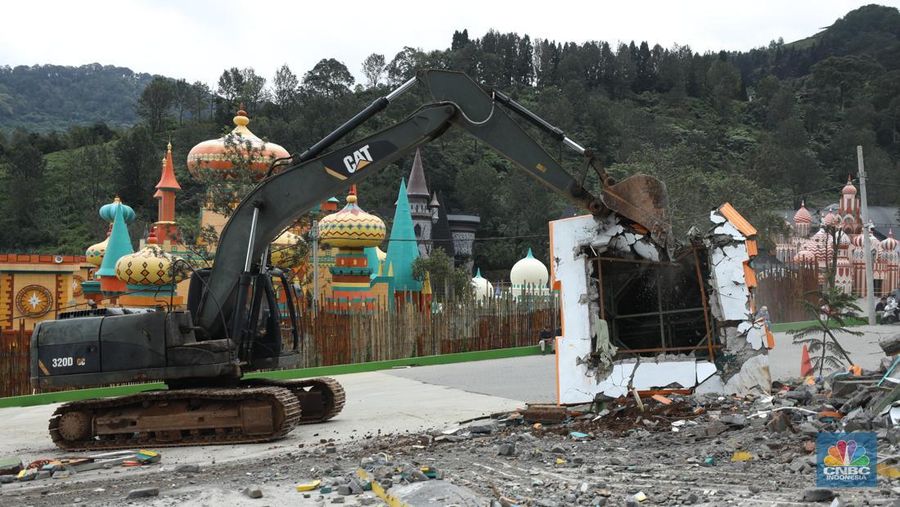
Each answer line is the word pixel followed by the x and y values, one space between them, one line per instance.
pixel 636 316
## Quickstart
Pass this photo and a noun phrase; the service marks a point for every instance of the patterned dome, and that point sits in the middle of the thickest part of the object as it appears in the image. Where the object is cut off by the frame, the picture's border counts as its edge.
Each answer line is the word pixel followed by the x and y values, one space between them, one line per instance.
pixel 482 286
pixel 889 244
pixel 218 154
pixel 849 189
pixel 284 249
pixel 831 219
pixel 802 216
pixel 351 227
pixel 529 271
pixel 858 241
pixel 95 252
pixel 148 266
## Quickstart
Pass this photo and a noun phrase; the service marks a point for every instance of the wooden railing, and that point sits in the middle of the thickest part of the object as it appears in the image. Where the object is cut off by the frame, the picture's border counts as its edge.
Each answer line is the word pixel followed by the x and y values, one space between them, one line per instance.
pixel 331 339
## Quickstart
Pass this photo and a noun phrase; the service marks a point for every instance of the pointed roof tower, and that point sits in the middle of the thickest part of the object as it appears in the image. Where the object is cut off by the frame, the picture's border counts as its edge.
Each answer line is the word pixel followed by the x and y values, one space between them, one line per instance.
pixel 417 186
pixel 167 179
pixel 402 249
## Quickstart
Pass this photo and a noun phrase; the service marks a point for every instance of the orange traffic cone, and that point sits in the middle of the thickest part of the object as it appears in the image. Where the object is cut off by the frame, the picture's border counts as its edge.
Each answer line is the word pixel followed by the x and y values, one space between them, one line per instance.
pixel 805 364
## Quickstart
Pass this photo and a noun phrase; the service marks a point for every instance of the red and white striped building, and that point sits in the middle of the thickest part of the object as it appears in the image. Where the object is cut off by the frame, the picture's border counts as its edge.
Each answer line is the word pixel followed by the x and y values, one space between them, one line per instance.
pixel 811 244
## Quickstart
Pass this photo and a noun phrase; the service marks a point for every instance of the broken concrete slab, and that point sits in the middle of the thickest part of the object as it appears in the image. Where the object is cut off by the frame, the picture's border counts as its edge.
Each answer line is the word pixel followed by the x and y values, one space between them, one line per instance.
pixel 437 494
pixel 142 493
pixel 10 465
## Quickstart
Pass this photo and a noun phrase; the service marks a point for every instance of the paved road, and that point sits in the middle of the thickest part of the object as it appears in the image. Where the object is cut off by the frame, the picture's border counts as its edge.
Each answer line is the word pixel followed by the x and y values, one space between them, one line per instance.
pixel 530 378
pixel 533 378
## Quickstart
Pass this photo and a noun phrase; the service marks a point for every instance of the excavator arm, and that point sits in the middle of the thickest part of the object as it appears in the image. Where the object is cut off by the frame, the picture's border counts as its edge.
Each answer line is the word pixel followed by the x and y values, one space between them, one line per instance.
pixel 283 197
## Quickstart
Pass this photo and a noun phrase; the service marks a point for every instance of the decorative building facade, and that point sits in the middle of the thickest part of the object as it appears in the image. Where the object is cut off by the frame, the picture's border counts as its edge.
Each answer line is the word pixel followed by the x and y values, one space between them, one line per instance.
pixel 813 243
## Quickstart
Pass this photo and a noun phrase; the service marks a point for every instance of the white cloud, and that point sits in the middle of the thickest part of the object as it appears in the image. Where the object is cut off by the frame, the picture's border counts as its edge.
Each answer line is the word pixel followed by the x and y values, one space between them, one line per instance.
pixel 196 40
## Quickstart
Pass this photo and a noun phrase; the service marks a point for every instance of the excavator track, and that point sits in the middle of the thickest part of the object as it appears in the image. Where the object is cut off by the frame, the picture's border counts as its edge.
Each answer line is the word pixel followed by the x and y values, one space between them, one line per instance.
pixel 177 417
pixel 320 398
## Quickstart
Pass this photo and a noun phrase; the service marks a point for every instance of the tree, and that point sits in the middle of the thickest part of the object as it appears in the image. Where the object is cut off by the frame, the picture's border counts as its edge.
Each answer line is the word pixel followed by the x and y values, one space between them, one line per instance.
pixel 403 67
pixel 329 78
pixel 24 187
pixel 182 98
pixel 460 40
pixel 447 282
pixel 373 68
pixel 155 103
pixel 286 87
pixel 830 314
pixel 845 75
pixel 138 167
pixel 724 83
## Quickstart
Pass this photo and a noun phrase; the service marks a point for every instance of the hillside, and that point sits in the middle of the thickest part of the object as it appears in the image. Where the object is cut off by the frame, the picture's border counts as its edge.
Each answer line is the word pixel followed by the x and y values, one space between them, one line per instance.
pixel 763 129
pixel 42 98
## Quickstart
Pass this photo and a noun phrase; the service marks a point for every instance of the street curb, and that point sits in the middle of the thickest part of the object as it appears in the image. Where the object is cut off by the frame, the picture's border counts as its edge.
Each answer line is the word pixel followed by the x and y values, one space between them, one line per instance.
pixel 320 371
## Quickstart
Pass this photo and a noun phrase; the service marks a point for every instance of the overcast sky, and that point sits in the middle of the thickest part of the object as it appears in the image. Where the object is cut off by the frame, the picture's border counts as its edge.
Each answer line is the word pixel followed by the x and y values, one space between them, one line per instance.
pixel 198 39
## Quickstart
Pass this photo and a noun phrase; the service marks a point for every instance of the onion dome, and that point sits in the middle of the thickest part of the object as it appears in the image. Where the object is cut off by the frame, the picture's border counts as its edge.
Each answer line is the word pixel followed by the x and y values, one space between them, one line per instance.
pixel 831 219
pixel 889 244
pixel 802 216
pixel 529 271
pixel 283 249
pixel 821 243
pixel 150 265
pixel 858 241
pixel 849 189
pixel 108 211
pixel 218 154
pixel 95 252
pixel 351 227
pixel 483 287
pixel 844 240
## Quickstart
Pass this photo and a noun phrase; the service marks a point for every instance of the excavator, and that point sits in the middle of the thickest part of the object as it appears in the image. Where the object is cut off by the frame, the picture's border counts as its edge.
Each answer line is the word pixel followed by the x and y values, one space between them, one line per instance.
pixel 233 323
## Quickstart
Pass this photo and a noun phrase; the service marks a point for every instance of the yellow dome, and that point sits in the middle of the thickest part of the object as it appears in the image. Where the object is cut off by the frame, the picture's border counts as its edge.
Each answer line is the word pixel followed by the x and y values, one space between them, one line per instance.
pixel 148 266
pixel 284 250
pixel 351 227
pixel 95 252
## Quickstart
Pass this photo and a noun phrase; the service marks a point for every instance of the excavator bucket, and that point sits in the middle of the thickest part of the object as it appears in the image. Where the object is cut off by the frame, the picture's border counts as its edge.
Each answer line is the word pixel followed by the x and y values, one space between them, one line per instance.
pixel 642 199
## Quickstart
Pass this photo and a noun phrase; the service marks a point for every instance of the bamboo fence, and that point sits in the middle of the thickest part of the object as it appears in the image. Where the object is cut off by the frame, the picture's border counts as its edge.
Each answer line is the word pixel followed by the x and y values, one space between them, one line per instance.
pixel 783 289
pixel 406 331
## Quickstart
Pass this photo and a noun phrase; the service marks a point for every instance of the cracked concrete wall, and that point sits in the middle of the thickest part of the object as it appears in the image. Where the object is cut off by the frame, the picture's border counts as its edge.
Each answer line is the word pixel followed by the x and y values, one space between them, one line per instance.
pixel 743 360
pixel 585 370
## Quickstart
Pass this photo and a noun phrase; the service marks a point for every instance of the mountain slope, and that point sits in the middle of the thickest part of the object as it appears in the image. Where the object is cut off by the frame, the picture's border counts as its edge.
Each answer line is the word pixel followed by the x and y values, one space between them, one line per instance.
pixel 42 98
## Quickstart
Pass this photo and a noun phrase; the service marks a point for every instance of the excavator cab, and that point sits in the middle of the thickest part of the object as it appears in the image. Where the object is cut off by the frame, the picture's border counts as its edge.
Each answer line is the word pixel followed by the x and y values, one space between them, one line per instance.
pixel 268 335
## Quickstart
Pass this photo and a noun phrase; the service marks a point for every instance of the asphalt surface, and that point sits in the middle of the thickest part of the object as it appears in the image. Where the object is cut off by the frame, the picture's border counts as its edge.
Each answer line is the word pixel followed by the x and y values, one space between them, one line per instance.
pixel 533 378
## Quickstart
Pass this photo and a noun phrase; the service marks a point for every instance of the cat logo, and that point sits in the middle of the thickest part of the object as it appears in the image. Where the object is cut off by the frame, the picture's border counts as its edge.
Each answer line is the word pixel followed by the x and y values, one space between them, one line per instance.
pixel 359 159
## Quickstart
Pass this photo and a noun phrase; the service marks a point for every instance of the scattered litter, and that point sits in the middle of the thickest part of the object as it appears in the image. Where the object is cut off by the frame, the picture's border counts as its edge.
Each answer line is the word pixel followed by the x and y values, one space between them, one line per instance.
pixel 741 456
pixel 309 486
pixel 662 399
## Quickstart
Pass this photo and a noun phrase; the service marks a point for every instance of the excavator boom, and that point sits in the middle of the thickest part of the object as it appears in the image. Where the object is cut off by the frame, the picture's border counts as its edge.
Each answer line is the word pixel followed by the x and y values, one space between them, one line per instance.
pixel 283 197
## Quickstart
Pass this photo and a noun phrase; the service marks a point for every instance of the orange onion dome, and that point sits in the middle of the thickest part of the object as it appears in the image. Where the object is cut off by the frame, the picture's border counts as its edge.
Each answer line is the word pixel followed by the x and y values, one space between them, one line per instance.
pixel 351 227
pixel 240 144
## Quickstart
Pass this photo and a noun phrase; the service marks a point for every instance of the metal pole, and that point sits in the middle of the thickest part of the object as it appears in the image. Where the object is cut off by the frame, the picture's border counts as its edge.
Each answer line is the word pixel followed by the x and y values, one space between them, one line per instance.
pixel 867 247
pixel 314 232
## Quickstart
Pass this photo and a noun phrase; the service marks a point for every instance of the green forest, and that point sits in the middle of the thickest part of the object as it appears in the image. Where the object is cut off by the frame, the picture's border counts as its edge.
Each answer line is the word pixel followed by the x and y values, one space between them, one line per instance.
pixel 762 129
